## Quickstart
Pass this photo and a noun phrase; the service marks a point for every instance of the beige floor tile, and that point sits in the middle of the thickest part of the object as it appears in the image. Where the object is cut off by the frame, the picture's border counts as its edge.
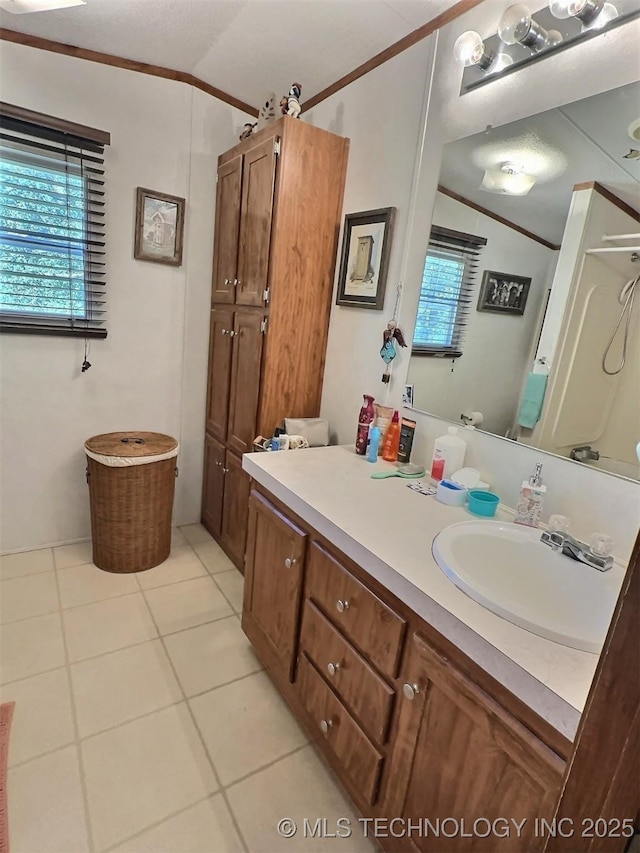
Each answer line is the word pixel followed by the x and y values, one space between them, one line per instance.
pixel 26 563
pixel 213 557
pixel 297 787
pixel 232 585
pixel 33 595
pixel 117 687
pixel 178 538
pixel 73 555
pixel 211 655
pixel 205 828
pixel 30 647
pixel 42 719
pixel 181 565
pixel 86 583
pixel 187 604
pixel 195 533
pixel 246 725
pixel 142 772
pixel 106 626
pixel 46 808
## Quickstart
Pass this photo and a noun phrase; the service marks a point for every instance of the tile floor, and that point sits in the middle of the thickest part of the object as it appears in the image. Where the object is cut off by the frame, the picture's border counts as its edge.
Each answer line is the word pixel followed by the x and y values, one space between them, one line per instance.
pixel 143 719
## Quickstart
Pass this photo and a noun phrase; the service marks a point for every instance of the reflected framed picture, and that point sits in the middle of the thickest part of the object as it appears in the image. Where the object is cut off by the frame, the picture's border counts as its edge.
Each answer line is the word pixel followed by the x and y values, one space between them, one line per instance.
pixel 159 228
pixel 503 292
pixel 366 241
pixel 407 395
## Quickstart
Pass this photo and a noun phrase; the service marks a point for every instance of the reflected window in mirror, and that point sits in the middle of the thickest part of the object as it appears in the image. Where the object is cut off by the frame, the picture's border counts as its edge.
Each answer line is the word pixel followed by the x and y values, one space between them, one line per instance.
pixel 448 282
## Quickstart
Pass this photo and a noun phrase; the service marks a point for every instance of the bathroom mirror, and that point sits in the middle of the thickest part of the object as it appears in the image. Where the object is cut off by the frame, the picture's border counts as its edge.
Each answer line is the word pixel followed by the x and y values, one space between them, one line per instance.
pixel 556 197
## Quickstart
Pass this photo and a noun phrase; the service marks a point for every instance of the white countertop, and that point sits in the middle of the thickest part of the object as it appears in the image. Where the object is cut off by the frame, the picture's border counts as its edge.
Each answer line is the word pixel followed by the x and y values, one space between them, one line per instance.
pixel 388 529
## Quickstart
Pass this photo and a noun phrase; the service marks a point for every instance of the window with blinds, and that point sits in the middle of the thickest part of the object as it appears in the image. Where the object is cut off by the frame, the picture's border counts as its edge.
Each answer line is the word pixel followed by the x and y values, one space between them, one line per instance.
pixel 52 236
pixel 448 280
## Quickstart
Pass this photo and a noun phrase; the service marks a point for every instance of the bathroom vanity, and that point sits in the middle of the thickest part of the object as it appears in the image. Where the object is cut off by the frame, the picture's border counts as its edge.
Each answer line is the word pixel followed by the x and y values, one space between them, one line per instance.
pixel 425 704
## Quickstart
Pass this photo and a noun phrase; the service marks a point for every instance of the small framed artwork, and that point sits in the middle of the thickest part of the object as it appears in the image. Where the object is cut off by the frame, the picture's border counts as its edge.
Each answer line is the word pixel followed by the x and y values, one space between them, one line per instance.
pixel 407 395
pixel 366 241
pixel 159 227
pixel 503 292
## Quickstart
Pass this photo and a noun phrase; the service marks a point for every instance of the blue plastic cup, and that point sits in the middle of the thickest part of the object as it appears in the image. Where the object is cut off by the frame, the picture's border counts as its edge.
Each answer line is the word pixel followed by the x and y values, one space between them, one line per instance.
pixel 483 503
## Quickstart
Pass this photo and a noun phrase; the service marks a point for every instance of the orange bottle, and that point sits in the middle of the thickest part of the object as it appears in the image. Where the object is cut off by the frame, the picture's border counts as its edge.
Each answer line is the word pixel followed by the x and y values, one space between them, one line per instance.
pixel 392 440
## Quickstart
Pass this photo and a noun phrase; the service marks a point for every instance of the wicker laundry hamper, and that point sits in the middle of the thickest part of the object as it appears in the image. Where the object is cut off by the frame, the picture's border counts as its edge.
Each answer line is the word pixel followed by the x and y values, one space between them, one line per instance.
pixel 131 478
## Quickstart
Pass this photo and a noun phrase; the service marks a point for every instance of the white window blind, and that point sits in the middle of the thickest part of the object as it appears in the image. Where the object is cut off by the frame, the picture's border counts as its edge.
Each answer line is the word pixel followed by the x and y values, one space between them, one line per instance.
pixel 52 236
pixel 448 280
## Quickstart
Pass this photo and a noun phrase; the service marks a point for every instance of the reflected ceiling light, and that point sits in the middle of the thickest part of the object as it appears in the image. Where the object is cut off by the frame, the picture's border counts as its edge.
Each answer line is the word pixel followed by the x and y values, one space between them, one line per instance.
pixel 518 27
pixel 21 7
pixel 470 49
pixel 594 14
pixel 510 179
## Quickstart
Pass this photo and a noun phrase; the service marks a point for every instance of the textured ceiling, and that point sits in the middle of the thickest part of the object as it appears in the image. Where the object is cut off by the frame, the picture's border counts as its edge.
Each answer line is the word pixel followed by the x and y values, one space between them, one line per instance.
pixel 577 143
pixel 243 47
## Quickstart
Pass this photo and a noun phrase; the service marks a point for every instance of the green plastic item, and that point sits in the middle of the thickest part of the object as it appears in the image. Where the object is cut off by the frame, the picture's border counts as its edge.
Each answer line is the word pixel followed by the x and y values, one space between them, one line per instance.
pixel 409 472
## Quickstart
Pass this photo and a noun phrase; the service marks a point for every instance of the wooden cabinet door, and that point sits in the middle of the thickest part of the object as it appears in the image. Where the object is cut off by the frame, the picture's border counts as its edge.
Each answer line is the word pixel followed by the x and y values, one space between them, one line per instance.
pixel 258 184
pixel 245 380
pixel 273 583
pixel 237 485
pixel 458 754
pixel 227 229
pixel 213 485
pixel 220 348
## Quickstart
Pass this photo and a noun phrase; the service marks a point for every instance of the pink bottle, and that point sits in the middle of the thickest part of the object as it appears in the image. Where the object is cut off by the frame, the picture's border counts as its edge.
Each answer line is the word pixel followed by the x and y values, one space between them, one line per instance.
pixel 367 414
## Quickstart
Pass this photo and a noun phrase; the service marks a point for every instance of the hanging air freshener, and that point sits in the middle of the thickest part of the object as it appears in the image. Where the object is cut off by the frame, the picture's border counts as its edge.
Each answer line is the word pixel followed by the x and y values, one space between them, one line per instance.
pixel 391 334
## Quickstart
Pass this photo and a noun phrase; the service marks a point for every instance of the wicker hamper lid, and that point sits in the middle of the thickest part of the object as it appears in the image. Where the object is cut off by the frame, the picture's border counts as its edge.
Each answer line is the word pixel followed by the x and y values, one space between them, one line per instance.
pixel 131 444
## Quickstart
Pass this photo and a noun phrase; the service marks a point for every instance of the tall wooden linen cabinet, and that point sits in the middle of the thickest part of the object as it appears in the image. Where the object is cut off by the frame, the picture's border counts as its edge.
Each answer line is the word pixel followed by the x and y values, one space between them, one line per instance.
pixel 278 209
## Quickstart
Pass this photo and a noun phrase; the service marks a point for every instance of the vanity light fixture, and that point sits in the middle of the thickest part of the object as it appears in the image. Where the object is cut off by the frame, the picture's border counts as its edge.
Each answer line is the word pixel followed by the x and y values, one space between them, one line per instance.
pixel 593 14
pixel 469 49
pixel 518 27
pixel 510 179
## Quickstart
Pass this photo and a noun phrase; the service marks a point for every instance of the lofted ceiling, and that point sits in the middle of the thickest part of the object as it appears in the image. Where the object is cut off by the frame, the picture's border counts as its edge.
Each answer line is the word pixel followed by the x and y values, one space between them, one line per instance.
pixel 577 143
pixel 246 48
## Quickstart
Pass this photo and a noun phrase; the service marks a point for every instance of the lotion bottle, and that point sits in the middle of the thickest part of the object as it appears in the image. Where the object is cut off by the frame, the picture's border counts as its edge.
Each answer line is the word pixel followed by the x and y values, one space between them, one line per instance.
pixel 448 454
pixel 532 494
pixel 392 440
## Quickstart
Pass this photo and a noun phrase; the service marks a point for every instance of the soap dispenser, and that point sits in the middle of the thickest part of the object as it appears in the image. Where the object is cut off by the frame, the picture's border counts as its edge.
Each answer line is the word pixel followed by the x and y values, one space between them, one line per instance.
pixel 532 494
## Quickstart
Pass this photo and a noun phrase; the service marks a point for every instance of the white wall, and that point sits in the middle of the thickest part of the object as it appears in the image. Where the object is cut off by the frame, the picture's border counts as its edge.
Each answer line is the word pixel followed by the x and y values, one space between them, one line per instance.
pixel 150 372
pixel 487 378
pixel 380 113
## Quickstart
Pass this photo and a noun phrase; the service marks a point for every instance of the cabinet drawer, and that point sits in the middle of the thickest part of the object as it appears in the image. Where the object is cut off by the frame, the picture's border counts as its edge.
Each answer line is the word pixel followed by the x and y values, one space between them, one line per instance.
pixel 359 758
pixel 357 683
pixel 361 615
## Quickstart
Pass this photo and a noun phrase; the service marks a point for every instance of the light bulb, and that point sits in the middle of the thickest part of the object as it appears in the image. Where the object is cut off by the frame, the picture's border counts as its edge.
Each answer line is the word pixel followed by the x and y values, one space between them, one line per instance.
pixel 500 62
pixel 607 13
pixel 469 48
pixel 514 24
pixel 554 37
pixel 566 8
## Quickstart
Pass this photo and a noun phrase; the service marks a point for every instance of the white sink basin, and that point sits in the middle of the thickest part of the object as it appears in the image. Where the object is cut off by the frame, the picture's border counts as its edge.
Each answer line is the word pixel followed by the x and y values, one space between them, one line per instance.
pixel 505 568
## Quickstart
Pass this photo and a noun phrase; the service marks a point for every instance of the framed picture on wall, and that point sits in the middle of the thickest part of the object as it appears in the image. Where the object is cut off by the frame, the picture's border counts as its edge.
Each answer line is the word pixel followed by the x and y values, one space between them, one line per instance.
pixel 366 240
pixel 503 292
pixel 159 227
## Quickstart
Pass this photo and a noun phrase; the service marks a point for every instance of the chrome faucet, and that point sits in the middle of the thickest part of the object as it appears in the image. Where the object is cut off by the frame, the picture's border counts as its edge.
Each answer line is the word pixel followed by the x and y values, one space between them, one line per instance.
pixel 581 454
pixel 564 543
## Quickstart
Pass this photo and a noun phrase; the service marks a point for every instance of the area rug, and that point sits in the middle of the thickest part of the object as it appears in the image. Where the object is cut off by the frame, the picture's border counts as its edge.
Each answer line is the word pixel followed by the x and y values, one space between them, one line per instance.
pixel 6 714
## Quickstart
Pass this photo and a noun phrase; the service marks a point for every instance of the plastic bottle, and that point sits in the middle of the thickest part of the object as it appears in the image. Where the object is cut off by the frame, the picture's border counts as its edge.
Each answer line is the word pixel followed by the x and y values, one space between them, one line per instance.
pixel 374 444
pixel 448 454
pixel 367 413
pixel 392 440
pixel 532 494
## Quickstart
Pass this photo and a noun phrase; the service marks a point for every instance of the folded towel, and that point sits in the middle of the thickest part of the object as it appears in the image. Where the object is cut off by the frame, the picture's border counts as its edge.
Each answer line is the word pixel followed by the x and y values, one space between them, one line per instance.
pixel 532 400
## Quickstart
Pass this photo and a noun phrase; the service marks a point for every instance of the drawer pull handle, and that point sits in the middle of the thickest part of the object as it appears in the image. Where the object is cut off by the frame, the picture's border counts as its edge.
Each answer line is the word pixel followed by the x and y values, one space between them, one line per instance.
pixel 290 562
pixel 333 668
pixel 325 725
pixel 410 691
pixel 342 605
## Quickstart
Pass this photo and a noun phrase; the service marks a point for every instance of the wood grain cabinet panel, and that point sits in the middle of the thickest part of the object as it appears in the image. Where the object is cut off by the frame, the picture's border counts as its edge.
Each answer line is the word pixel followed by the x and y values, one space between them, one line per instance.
pixel 237 486
pixel 245 380
pixel 366 620
pixel 273 584
pixel 220 348
pixel 358 757
pixel 362 690
pixel 213 485
pixel 459 754
pixel 225 256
